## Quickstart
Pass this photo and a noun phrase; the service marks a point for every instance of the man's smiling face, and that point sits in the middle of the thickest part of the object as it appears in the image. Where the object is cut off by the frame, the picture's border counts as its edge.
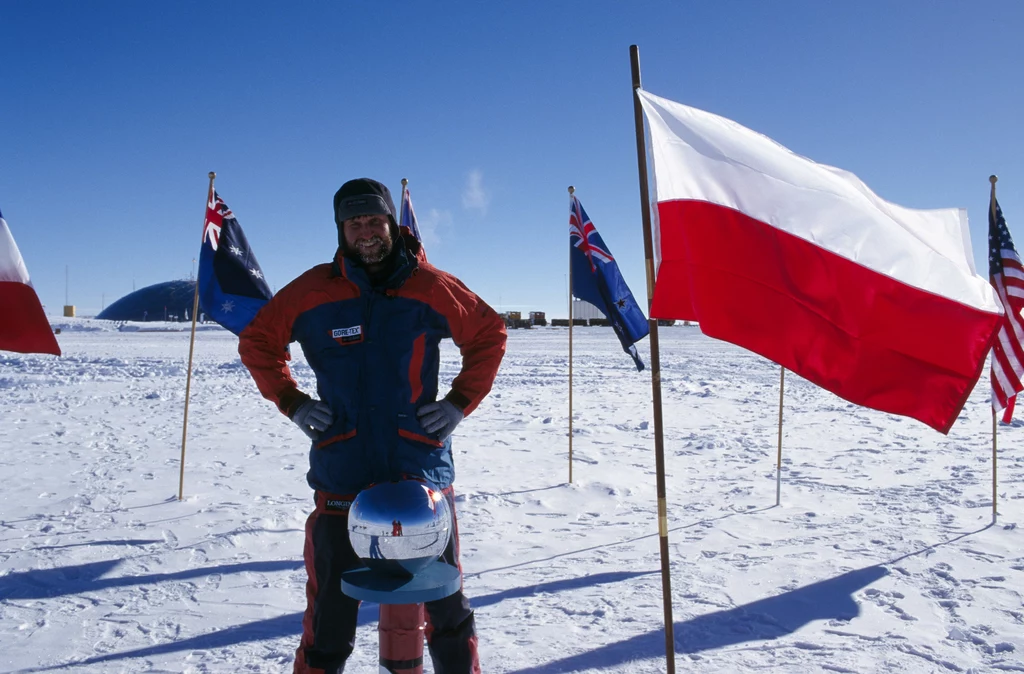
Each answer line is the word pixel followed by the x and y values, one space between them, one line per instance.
pixel 368 237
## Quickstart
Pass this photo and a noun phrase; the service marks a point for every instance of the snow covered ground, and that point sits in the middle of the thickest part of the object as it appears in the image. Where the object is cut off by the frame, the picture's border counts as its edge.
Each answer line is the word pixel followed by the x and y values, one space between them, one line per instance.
pixel 880 558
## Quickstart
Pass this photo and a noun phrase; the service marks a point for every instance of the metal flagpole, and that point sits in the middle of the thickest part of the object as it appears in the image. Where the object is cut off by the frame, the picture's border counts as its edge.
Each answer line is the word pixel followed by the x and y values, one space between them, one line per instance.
pixel 778 460
pixel 571 190
pixel 659 439
pixel 191 350
pixel 995 422
pixel 401 209
pixel 400 626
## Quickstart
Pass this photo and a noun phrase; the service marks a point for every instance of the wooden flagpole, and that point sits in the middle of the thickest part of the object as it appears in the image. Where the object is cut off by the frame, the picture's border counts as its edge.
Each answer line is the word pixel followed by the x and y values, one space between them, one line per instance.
pixel 659 436
pixel 995 422
pixel 571 190
pixel 778 460
pixel 191 350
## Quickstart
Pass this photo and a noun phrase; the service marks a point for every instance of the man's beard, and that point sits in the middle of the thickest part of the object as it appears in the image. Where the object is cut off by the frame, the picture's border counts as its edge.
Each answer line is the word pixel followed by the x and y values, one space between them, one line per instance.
pixel 381 252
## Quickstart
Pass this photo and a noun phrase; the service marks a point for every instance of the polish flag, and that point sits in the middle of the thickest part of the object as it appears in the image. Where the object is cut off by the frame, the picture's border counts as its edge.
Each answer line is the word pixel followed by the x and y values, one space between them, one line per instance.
pixel 803 264
pixel 23 325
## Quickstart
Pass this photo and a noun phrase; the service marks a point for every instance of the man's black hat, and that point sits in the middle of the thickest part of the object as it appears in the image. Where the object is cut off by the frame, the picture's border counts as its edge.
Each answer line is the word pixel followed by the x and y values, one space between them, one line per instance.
pixel 363 196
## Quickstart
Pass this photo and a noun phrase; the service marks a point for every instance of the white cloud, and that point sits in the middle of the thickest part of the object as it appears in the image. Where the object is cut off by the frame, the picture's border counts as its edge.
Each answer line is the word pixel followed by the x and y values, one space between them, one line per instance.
pixel 432 224
pixel 474 196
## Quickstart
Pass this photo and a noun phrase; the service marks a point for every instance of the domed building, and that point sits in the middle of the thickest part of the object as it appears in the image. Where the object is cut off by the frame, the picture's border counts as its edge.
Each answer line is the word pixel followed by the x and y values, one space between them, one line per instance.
pixel 169 301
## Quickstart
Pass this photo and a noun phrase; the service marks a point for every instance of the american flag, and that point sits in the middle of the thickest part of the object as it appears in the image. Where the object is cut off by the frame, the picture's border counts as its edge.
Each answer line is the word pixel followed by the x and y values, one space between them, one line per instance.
pixel 1006 273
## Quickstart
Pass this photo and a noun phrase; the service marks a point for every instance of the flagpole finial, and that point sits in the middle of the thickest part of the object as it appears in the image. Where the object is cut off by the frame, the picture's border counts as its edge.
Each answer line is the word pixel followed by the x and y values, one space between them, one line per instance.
pixel 993 179
pixel 571 189
pixel 405 181
pixel 213 174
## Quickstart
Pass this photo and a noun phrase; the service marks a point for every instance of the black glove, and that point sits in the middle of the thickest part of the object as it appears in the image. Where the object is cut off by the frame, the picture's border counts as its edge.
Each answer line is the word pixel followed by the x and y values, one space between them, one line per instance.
pixel 313 417
pixel 440 418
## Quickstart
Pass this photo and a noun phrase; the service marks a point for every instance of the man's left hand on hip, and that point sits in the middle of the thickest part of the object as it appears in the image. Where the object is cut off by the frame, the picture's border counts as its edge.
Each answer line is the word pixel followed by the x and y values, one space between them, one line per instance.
pixel 440 418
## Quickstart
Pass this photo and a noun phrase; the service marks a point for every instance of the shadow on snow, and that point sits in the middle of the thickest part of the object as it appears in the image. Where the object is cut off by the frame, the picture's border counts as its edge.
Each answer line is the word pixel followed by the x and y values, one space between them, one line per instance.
pixel 761 620
pixel 69 580
pixel 764 619
pixel 289 625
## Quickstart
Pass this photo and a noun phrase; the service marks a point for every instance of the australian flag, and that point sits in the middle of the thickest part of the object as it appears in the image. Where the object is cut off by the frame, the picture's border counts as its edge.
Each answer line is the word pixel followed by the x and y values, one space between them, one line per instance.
pixel 231 284
pixel 596 279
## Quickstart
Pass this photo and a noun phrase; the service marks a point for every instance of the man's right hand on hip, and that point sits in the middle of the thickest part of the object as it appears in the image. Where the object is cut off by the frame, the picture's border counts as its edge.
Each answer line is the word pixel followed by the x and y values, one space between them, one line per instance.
pixel 313 417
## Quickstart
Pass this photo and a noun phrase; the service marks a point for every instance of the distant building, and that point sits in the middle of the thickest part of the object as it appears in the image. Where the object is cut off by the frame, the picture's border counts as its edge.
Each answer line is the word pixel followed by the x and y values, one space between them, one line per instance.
pixel 585 310
pixel 169 301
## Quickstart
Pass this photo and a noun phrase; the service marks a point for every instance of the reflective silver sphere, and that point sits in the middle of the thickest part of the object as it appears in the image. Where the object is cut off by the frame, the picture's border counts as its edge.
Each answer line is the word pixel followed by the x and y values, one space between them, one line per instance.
pixel 399 527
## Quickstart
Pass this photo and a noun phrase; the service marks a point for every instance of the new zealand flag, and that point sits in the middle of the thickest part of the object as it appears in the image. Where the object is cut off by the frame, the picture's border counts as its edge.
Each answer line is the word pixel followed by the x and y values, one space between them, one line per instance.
pixel 231 284
pixel 596 279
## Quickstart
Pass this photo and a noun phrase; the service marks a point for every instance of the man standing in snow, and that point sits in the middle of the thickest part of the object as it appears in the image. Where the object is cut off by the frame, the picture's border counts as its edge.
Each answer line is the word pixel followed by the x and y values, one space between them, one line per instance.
pixel 370 324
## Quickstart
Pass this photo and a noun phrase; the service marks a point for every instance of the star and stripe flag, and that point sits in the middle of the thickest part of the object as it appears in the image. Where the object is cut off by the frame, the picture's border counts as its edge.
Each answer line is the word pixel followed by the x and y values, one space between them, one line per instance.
pixel 1006 273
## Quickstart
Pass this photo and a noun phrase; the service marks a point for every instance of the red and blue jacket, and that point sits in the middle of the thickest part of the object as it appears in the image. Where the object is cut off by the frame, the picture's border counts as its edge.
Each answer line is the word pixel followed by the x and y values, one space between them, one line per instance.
pixel 375 351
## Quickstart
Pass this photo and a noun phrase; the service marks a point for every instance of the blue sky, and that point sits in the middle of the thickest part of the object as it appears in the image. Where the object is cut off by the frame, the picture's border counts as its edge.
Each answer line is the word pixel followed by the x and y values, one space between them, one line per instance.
pixel 113 113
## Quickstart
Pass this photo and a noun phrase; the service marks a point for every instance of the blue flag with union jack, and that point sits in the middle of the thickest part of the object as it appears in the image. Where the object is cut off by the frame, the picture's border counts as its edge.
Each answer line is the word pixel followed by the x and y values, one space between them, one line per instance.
pixel 596 279
pixel 231 284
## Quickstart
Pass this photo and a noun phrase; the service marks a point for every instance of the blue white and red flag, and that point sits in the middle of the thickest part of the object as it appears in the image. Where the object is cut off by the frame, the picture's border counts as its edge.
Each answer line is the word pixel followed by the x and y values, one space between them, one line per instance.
pixel 1006 273
pixel 408 223
pixel 232 288
pixel 596 279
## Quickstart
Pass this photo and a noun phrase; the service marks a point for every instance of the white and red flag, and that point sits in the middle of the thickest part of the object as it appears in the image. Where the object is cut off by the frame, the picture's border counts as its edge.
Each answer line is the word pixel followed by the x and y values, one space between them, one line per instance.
pixel 803 264
pixel 23 325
